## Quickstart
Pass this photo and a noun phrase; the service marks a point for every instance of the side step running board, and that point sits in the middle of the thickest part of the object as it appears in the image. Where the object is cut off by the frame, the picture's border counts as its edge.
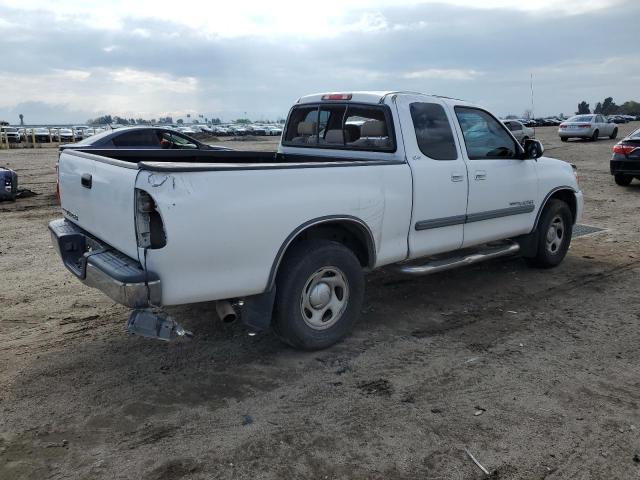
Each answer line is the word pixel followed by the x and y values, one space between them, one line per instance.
pixel 440 265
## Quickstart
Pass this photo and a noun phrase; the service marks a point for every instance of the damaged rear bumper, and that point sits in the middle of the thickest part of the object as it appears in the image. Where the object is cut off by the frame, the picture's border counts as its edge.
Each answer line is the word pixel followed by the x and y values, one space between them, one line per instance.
pixel 100 266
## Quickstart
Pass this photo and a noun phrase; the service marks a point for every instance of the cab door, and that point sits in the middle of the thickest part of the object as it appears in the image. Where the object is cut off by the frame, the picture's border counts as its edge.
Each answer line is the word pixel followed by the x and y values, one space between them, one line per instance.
pixel 439 175
pixel 502 188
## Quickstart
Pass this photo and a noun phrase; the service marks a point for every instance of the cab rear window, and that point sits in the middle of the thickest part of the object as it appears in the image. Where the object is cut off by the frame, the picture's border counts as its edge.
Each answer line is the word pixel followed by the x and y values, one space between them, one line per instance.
pixel 341 126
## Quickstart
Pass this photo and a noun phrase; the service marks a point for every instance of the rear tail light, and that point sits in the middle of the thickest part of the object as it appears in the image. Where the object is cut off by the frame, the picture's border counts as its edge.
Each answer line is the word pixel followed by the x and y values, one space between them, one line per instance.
pixel 585 125
pixel 562 125
pixel 337 96
pixel 149 226
pixel 623 149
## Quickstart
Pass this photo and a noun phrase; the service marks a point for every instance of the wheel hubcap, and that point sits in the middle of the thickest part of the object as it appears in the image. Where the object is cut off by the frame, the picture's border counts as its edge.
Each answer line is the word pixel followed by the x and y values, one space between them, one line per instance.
pixel 555 235
pixel 324 298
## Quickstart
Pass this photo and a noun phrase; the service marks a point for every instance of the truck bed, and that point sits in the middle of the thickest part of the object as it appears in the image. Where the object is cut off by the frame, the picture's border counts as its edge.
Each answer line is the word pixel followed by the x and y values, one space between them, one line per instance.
pixel 207 160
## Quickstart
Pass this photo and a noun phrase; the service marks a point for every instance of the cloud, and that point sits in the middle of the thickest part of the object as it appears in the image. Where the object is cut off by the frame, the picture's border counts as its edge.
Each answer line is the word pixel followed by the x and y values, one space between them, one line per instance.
pixel 443 74
pixel 133 60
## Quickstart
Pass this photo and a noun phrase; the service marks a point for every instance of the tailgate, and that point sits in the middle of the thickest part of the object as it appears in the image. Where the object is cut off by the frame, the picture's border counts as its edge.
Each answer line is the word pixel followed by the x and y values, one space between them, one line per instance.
pixel 97 194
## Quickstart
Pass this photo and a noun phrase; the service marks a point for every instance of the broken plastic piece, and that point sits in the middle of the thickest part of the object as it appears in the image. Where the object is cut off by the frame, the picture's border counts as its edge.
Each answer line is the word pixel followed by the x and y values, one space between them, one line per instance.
pixel 149 324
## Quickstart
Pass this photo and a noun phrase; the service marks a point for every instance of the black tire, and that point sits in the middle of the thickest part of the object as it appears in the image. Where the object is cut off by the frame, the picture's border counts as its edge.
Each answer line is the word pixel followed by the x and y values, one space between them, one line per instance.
pixel 614 134
pixel 595 136
pixel 559 214
pixel 300 275
pixel 622 179
pixel 564 139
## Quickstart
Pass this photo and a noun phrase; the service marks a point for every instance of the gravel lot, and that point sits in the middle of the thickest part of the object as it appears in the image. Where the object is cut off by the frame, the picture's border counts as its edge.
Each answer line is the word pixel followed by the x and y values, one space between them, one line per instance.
pixel 534 372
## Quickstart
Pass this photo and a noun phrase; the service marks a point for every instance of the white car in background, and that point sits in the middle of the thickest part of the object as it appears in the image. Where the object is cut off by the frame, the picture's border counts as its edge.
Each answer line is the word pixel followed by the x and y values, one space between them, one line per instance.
pixel 590 126
pixel 520 131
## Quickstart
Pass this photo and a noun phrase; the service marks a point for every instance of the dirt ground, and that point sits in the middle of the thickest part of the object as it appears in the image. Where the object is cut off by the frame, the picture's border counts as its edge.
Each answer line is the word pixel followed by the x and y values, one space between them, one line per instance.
pixel 534 372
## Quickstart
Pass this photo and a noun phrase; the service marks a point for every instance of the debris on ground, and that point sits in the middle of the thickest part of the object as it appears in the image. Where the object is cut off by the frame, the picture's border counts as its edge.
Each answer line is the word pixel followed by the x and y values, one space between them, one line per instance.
pixel 486 472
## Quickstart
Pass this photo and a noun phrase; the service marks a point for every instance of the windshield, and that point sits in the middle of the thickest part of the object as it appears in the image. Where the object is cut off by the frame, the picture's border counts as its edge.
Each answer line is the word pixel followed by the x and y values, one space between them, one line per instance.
pixel 9 129
pixel 581 118
pixel 635 134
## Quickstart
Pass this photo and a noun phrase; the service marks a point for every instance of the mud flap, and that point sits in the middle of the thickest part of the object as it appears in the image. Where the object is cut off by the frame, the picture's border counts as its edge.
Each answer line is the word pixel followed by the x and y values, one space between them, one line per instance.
pixel 257 310
pixel 528 244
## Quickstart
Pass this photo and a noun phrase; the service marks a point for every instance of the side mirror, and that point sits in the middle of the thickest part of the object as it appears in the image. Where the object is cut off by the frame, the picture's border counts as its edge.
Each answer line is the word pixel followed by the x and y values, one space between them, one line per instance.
pixel 533 149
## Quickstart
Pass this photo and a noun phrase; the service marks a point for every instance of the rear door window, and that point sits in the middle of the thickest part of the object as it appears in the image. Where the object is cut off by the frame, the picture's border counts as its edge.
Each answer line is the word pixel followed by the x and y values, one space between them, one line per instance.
pixel 433 131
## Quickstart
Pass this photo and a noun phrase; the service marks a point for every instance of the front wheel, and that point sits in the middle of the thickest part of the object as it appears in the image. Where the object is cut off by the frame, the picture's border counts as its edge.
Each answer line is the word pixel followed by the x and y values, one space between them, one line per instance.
pixel 554 235
pixel 319 294
pixel 564 139
pixel 622 179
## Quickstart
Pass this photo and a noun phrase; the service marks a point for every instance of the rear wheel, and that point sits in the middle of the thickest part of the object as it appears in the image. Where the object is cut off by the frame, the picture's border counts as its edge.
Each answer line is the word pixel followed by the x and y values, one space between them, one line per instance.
pixel 564 139
pixel 614 134
pixel 622 179
pixel 554 235
pixel 319 293
pixel 595 136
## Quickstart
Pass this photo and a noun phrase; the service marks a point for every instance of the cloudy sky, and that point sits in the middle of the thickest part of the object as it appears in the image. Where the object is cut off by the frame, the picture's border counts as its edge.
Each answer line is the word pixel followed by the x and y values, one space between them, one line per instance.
pixel 66 61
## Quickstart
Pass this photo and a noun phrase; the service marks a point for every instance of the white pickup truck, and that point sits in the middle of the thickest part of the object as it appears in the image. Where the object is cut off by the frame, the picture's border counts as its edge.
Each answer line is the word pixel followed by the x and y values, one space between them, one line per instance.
pixel 360 181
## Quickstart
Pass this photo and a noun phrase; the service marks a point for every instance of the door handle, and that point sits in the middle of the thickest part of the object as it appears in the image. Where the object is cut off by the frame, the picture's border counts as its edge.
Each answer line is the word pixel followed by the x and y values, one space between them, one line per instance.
pixel 457 177
pixel 480 175
pixel 86 180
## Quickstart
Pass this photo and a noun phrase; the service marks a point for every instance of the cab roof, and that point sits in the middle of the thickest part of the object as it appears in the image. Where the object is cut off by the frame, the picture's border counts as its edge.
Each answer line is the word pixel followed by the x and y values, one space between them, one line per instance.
pixel 363 96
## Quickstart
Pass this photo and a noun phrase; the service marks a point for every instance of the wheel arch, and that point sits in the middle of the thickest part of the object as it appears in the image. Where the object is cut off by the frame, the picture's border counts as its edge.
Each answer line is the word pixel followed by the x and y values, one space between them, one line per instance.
pixel 351 231
pixel 564 193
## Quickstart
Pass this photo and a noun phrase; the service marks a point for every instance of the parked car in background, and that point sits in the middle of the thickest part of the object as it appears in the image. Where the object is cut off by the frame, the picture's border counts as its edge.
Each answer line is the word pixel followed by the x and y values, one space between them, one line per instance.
pixel 62 135
pixel 143 138
pixel 187 130
pixel 220 130
pixel 589 127
pixel 79 132
pixel 42 135
pixel 274 131
pixel 520 131
pixel 11 134
pixel 617 119
pixel 625 162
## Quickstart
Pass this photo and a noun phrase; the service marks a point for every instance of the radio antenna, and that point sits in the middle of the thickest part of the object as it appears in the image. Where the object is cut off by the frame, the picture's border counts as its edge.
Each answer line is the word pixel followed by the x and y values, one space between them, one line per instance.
pixel 532 107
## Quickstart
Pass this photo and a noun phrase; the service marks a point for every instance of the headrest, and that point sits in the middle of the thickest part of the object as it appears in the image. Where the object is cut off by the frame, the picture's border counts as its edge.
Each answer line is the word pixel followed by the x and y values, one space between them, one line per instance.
pixel 334 136
pixel 306 128
pixel 373 128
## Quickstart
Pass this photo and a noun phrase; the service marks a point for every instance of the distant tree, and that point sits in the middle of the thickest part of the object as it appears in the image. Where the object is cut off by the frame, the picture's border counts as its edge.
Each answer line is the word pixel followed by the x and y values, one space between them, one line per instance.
pixel 21 119
pixel 180 121
pixel 630 108
pixel 4 123
pixel 511 116
pixel 528 114
pixel 103 120
pixel 216 121
pixel 165 120
pixel 583 108
pixel 598 108
pixel 609 107
pixel 243 120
